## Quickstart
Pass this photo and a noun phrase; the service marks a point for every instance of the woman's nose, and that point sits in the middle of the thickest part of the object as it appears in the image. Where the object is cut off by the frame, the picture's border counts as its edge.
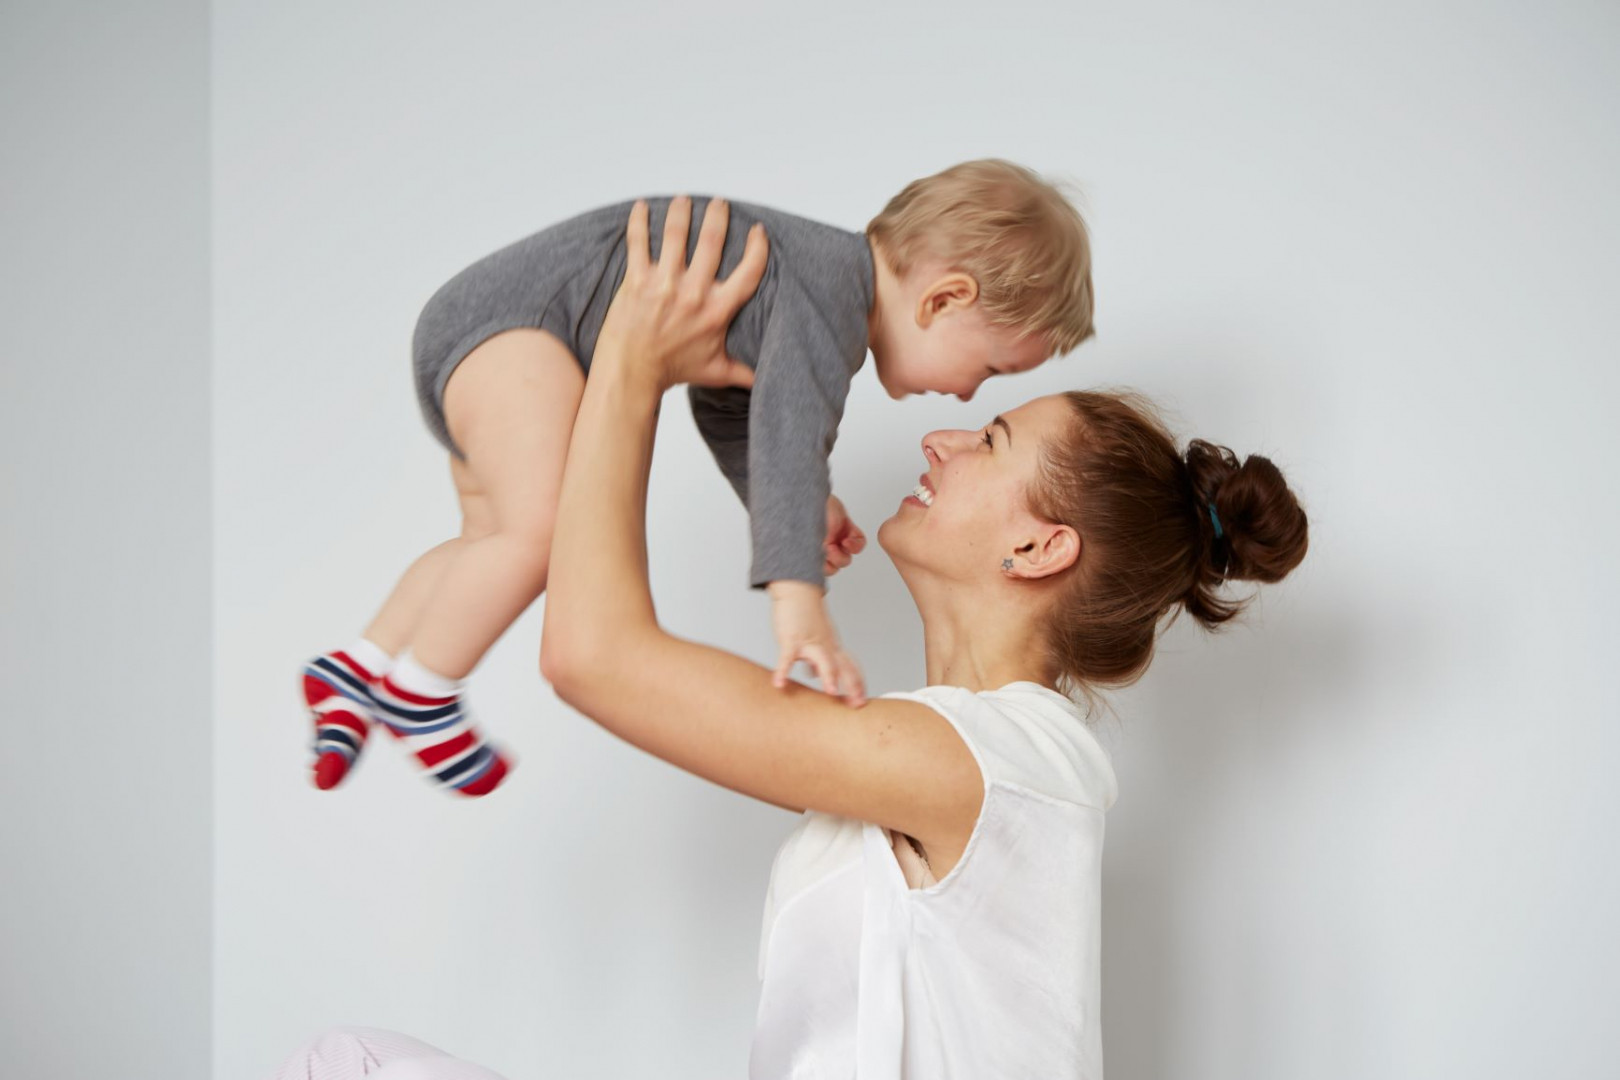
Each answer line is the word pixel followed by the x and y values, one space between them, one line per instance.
pixel 939 445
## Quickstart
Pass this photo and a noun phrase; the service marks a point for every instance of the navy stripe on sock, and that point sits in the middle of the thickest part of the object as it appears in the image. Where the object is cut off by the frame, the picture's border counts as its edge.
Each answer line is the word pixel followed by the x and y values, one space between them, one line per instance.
pixel 335 734
pixel 482 756
pixel 340 679
pixel 414 716
pixel 406 727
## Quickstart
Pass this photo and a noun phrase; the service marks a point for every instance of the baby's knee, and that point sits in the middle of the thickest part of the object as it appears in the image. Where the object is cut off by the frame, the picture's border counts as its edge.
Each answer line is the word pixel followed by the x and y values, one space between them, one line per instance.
pixel 529 550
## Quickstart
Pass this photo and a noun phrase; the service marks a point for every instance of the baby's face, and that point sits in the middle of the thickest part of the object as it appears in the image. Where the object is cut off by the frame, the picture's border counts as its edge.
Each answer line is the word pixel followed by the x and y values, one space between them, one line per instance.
pixel 954 355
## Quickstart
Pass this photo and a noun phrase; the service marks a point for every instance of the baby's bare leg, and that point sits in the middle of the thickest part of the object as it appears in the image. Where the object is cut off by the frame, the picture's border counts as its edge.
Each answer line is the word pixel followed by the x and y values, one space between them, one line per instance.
pixel 340 686
pixel 510 407
pixel 402 611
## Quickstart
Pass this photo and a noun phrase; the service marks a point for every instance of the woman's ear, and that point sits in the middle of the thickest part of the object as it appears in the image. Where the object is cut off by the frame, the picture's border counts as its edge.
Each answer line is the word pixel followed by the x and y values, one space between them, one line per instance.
pixel 1051 551
pixel 954 290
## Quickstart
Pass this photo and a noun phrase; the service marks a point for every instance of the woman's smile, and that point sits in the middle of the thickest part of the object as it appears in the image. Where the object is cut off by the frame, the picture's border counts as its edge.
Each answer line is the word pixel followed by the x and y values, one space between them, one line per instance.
pixel 922 494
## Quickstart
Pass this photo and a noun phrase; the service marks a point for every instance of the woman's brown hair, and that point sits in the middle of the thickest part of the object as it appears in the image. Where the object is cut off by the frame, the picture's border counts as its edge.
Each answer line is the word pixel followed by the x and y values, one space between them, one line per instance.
pixel 1159 529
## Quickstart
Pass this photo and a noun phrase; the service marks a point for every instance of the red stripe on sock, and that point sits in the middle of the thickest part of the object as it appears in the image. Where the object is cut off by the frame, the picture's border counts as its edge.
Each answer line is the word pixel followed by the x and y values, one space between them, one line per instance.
pixel 413 699
pixel 344 720
pixel 447 749
pixel 489 781
pixel 316 690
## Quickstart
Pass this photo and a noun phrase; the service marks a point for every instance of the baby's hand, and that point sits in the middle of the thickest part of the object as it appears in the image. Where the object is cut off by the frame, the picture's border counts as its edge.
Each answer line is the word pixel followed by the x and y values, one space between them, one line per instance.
pixel 844 538
pixel 804 632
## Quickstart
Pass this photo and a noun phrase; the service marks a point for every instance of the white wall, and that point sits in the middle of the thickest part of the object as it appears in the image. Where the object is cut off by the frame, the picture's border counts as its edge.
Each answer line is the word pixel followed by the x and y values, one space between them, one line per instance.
pixel 105 637
pixel 1369 833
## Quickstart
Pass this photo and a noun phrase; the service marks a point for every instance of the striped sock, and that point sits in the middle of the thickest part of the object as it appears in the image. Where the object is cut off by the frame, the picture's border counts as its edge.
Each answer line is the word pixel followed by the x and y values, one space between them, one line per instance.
pixel 425 711
pixel 338 690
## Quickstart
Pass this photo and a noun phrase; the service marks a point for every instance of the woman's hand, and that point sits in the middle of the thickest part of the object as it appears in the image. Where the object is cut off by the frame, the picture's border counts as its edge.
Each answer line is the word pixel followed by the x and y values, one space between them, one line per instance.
pixel 668 319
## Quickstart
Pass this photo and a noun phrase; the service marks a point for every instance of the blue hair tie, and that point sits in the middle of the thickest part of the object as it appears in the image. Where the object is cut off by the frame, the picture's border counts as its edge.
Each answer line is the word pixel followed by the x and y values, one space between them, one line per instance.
pixel 1215 521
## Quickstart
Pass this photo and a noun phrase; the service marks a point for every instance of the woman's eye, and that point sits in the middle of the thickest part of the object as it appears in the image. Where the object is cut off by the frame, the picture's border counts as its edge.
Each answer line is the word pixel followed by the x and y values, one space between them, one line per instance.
pixel 987 440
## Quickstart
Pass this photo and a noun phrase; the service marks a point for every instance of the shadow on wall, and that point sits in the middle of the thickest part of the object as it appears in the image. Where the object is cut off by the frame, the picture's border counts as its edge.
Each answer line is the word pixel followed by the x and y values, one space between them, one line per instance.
pixel 1233 848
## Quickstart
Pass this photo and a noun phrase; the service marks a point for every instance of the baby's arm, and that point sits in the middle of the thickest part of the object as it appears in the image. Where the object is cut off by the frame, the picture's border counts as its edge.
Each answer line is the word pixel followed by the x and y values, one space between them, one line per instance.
pixel 799 616
pixel 721 413
pixel 800 532
pixel 804 630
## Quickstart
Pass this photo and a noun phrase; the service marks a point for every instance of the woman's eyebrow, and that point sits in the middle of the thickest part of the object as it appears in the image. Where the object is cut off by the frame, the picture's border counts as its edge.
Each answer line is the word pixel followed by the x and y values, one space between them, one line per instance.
pixel 1004 427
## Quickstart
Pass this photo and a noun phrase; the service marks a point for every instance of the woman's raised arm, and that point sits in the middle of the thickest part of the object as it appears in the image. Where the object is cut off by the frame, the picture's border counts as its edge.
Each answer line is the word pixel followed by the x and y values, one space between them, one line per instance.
pixel 895 763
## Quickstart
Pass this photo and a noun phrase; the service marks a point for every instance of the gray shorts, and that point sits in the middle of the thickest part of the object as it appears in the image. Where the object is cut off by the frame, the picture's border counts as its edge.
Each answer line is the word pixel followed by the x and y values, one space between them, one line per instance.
pixel 433 366
pixel 560 280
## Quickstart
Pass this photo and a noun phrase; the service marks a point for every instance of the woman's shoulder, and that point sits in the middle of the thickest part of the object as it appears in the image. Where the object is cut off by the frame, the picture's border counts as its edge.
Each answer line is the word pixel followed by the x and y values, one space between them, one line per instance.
pixel 1027 736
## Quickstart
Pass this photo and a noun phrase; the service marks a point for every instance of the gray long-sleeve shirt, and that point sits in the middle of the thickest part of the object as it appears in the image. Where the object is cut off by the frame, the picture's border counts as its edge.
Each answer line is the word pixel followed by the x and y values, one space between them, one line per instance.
pixel 803 332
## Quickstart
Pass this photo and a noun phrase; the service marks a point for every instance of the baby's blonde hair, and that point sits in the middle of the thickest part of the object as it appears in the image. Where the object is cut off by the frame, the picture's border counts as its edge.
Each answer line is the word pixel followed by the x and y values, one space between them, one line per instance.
pixel 1017 235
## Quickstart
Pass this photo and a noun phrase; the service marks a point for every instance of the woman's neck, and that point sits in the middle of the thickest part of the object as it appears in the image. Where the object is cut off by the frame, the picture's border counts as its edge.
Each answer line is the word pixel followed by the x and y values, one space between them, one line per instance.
pixel 982 647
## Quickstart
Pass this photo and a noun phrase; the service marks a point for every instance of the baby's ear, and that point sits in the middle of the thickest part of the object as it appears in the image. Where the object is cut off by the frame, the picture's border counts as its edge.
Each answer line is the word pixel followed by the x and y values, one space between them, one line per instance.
pixel 953 290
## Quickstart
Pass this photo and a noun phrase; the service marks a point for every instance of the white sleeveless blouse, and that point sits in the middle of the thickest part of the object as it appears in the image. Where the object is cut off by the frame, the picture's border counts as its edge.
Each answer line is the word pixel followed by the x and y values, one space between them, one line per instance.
pixel 992 972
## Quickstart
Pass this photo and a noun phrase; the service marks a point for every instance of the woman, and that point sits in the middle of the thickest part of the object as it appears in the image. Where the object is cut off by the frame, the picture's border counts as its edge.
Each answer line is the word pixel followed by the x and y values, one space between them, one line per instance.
pixel 937 914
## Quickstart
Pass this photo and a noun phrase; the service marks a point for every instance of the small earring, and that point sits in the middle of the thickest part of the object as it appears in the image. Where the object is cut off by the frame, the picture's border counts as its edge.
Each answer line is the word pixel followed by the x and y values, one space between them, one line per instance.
pixel 1006 564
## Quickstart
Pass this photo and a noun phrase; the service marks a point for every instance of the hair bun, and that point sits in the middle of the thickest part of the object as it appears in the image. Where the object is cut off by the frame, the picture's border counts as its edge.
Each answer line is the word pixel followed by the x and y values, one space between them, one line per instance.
pixel 1263 529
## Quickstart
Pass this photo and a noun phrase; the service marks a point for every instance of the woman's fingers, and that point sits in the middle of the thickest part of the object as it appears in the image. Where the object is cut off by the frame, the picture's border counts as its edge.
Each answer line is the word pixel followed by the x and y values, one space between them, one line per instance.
pixel 711 242
pixel 738 374
pixel 677 226
pixel 635 237
pixel 745 278
pixel 674 317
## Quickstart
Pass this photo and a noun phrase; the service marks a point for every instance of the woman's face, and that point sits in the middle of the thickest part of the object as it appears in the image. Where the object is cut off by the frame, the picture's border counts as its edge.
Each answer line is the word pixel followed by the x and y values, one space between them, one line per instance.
pixel 971 510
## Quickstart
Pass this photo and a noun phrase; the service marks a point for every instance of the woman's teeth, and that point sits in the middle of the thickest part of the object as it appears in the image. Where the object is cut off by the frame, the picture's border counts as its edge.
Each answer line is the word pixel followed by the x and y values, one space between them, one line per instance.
pixel 923 495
